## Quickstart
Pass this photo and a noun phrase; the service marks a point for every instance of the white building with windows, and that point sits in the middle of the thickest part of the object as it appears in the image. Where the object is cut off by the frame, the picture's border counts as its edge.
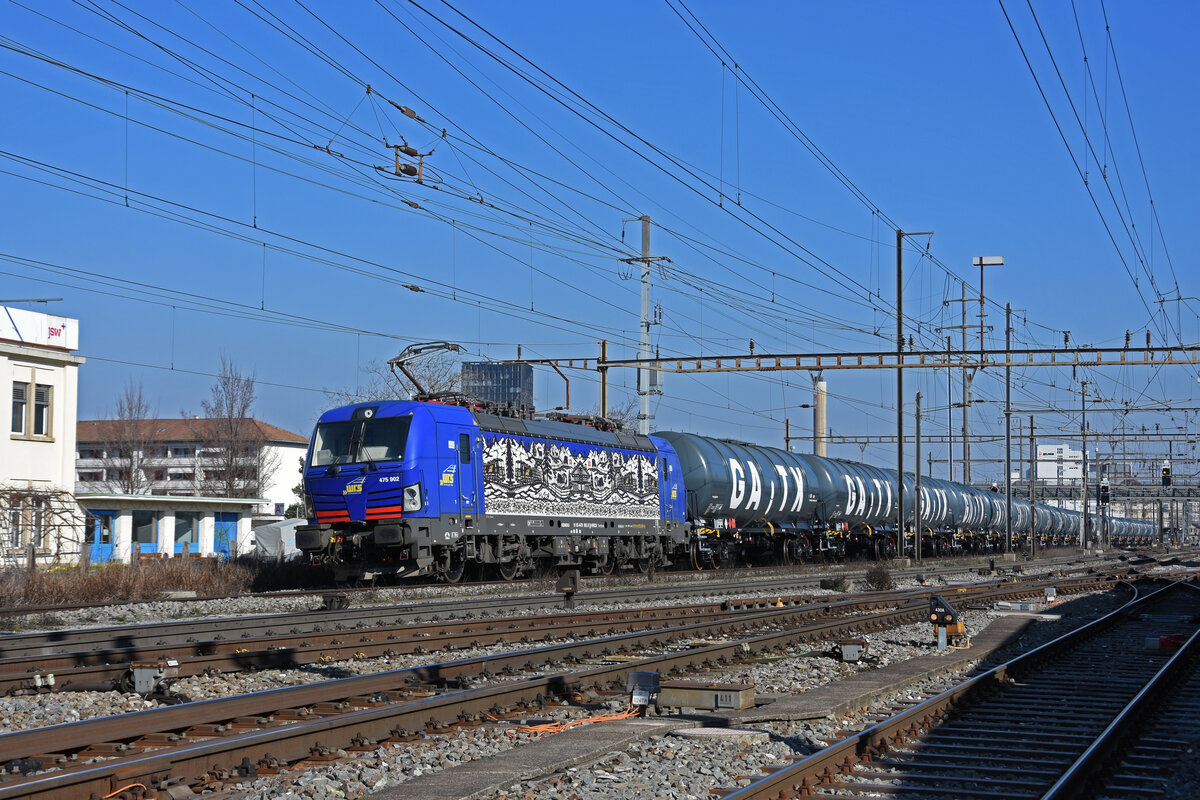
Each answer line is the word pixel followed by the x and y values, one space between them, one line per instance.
pixel 171 459
pixel 162 508
pixel 37 456
pixel 1059 465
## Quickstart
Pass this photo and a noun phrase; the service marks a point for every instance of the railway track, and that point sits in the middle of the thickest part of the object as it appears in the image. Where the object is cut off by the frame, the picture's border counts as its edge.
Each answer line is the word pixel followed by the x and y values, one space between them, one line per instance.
pixel 100 659
pixel 108 669
pixel 205 744
pixel 1156 749
pixel 404 611
pixel 803 574
pixel 1045 725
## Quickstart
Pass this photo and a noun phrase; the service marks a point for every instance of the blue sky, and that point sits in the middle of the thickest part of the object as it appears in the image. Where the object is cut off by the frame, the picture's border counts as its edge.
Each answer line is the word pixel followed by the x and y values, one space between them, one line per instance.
pixel 200 179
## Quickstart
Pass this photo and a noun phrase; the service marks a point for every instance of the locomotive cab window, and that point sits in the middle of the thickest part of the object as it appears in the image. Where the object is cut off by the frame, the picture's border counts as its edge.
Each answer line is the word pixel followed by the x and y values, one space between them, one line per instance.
pixel 383 438
pixel 464 448
pixel 360 441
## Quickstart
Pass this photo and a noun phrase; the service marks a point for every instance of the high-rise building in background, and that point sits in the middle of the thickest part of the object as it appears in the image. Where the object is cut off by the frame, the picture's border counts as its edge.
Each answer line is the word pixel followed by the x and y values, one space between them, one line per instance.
pixel 490 382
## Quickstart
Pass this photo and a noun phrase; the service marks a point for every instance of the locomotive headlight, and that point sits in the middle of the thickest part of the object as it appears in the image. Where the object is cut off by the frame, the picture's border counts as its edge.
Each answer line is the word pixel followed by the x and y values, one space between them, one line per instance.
pixel 412 497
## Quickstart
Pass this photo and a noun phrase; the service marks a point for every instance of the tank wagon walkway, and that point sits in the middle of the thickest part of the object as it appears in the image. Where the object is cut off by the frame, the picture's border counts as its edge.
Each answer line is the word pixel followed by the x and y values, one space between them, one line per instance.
pixel 588 743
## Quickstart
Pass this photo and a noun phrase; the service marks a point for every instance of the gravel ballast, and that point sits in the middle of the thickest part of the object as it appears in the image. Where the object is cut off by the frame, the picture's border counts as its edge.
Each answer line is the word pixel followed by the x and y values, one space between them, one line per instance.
pixel 669 766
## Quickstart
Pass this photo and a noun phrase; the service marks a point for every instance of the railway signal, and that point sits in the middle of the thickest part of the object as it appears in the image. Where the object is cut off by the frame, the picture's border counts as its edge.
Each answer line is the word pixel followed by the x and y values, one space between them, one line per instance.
pixel 945 620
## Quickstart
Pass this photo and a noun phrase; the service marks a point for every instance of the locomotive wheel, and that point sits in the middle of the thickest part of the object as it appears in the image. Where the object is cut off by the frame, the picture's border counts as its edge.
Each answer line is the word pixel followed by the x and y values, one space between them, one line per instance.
pixel 784 555
pixel 453 573
pixel 507 569
pixel 605 564
pixel 641 565
pixel 701 562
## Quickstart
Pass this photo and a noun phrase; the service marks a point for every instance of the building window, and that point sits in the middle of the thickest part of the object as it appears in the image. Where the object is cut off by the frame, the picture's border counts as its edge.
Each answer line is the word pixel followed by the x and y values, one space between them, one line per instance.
pixel 37 528
pixel 12 530
pixel 41 410
pixel 145 527
pixel 18 408
pixel 32 419
pixel 24 524
pixel 187 524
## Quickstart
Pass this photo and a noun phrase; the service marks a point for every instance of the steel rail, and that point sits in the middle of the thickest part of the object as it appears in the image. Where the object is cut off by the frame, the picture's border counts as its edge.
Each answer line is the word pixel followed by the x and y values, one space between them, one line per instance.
pixel 342 724
pixel 810 774
pixel 393 614
pixel 249 626
pixel 104 669
pixel 1092 763
pixel 295 742
pixel 78 735
pixel 74 671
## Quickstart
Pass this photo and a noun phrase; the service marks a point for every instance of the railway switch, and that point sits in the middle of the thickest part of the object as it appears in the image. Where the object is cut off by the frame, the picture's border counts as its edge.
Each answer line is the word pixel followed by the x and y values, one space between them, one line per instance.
pixel 334 601
pixel 644 688
pixel 852 650
pixel 153 680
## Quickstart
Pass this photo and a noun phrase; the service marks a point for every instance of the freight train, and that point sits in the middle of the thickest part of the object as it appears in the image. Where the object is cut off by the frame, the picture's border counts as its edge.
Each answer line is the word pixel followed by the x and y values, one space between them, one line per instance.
pixel 405 488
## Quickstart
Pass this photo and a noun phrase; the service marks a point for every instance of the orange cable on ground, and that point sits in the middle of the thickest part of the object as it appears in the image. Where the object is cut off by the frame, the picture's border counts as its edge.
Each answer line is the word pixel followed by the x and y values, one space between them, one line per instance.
pixel 559 727
pixel 123 788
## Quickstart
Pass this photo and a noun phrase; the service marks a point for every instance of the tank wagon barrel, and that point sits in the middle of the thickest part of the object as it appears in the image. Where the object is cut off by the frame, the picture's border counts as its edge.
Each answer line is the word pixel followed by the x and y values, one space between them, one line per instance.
pixel 398 488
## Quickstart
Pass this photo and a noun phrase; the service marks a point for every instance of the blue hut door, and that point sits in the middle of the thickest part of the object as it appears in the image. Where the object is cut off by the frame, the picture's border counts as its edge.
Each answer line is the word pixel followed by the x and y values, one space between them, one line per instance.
pixel 103 536
pixel 225 525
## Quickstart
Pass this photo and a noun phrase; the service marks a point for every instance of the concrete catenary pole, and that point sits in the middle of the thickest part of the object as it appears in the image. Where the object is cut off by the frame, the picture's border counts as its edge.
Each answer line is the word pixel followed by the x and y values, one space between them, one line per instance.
pixel 820 396
pixel 1032 490
pixel 900 384
pixel 899 390
pixel 1083 502
pixel 1007 428
pixel 917 483
pixel 644 350
pixel 967 376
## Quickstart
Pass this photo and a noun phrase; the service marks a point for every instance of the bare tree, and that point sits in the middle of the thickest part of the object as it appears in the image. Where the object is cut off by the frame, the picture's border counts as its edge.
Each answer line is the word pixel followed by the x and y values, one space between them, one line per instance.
pixel 623 414
pixel 439 372
pixel 235 458
pixel 45 522
pixel 127 439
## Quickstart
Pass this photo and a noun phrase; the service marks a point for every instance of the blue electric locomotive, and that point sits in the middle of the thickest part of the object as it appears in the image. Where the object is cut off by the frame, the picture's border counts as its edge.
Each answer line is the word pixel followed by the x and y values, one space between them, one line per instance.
pixel 403 488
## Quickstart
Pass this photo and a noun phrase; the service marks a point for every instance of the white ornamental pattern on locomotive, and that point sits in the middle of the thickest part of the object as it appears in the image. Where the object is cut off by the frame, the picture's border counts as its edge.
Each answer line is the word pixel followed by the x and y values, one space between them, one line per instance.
pixel 539 478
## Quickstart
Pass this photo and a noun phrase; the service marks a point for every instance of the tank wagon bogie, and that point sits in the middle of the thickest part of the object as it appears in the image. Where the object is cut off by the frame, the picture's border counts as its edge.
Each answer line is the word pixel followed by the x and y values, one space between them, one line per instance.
pixel 400 488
